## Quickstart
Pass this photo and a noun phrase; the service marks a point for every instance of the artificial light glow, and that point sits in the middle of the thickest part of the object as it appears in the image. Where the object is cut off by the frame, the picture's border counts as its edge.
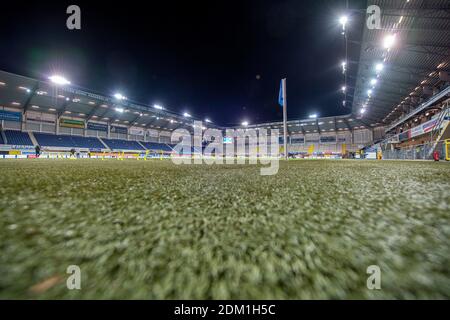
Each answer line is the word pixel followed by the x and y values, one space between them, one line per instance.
pixel 207 120
pixel 344 88
pixel 245 123
pixel 369 92
pixel 343 21
pixel 187 115
pixel 121 110
pixel 362 110
pixel 379 67
pixel 119 96
pixel 373 82
pixel 59 80
pixel 157 106
pixel 313 116
pixel 389 41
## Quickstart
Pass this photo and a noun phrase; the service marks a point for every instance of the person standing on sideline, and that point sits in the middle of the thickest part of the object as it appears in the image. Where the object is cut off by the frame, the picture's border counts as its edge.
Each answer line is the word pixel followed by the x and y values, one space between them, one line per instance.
pixel 37 149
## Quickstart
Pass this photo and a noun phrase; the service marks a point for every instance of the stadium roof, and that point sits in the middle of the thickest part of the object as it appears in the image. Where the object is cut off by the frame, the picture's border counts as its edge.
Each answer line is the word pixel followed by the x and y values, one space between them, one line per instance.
pixel 318 125
pixel 413 49
pixel 25 93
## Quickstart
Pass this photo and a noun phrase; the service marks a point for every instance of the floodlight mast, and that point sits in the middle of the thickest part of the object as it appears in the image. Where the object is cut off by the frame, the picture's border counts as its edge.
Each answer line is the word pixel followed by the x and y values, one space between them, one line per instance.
pixel 283 83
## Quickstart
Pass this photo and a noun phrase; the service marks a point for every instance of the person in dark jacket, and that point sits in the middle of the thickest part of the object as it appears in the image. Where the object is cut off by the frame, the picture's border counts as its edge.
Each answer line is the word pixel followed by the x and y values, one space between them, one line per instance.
pixel 37 149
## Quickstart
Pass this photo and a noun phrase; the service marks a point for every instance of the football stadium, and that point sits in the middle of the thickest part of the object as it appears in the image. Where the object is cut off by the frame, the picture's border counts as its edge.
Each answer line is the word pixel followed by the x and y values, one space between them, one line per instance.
pixel 122 191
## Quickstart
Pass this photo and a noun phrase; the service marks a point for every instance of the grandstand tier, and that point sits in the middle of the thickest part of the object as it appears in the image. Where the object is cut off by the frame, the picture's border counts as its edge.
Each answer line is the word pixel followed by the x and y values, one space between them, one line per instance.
pixel 155 146
pixel 51 140
pixel 117 144
pixel 18 138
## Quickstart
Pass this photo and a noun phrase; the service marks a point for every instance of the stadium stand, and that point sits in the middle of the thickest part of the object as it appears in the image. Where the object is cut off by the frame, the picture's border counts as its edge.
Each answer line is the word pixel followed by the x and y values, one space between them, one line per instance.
pixel 18 138
pixel 155 146
pixel 91 143
pixel 117 144
pixel 51 140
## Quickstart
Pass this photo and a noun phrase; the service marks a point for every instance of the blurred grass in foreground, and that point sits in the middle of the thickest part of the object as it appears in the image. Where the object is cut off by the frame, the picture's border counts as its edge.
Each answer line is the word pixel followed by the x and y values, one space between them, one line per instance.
pixel 153 230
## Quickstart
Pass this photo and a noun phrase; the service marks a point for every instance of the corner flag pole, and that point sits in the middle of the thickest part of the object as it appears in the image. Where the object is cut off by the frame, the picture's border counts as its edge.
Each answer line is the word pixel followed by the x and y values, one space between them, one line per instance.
pixel 283 81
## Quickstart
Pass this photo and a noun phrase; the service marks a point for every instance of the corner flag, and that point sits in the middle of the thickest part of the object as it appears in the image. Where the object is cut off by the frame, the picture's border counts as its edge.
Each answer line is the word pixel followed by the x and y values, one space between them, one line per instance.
pixel 280 95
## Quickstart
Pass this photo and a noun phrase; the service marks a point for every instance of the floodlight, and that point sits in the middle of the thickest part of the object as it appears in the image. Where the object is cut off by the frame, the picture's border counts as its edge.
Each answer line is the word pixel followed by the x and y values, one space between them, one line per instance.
pixel 59 80
pixel 156 106
pixel 373 82
pixel 119 96
pixel 344 88
pixel 343 21
pixel 121 110
pixel 369 92
pixel 379 67
pixel 362 110
pixel 187 115
pixel 207 120
pixel 245 123
pixel 389 41
pixel 313 116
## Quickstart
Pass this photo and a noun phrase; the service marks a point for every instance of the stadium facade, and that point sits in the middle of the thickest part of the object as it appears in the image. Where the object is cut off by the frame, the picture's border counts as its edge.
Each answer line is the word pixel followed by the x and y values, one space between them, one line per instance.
pixel 60 118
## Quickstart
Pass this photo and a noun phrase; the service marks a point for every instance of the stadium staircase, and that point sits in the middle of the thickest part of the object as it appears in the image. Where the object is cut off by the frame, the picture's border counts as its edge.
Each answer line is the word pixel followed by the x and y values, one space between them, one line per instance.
pixel 441 130
pixel 2 137
pixel 33 138
pixel 103 143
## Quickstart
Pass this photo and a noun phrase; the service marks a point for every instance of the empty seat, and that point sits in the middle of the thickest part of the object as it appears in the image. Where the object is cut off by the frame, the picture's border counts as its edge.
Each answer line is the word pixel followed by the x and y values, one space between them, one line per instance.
pixel 18 138
pixel 117 144
pixel 52 140
pixel 156 146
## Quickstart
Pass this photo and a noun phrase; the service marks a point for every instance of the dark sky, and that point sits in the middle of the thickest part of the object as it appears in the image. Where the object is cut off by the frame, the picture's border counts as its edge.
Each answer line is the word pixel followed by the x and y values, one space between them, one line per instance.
pixel 217 59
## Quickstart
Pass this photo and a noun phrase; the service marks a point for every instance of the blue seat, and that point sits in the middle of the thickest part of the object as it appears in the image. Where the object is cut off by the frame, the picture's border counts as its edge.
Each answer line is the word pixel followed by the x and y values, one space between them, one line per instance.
pixel 85 142
pixel 52 140
pixel 156 146
pixel 117 144
pixel 18 138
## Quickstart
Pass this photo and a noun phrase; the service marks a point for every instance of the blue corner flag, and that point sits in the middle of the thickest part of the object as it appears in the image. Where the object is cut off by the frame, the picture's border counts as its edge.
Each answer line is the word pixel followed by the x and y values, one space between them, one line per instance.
pixel 280 95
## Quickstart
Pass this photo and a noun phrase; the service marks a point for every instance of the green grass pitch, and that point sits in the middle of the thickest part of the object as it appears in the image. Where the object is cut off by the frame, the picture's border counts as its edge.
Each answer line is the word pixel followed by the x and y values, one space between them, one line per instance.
pixel 154 230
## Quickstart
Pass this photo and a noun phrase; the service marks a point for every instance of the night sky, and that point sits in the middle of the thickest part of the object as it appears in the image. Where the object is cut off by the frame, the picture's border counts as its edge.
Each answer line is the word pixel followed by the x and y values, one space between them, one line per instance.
pixel 217 59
